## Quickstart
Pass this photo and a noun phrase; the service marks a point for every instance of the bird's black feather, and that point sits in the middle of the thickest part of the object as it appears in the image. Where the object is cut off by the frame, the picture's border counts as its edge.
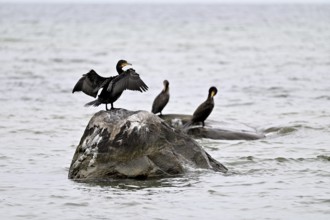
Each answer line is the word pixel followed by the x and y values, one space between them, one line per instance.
pixel 90 83
pixel 111 87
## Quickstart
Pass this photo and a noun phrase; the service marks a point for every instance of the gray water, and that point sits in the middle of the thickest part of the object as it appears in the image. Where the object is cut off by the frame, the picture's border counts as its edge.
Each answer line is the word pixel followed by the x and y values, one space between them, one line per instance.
pixel 271 65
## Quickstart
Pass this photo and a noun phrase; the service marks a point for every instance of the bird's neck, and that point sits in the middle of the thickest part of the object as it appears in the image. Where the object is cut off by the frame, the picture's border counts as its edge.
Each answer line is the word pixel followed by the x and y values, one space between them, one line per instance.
pixel 165 89
pixel 209 97
pixel 119 70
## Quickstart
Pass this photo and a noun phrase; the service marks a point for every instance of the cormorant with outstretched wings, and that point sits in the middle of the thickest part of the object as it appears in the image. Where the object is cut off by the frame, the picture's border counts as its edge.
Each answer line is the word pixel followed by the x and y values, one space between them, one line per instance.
pixel 112 87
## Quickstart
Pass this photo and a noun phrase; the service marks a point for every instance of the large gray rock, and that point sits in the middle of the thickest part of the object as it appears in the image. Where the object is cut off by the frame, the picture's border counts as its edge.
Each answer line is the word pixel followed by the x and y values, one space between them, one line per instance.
pixel 126 144
pixel 211 130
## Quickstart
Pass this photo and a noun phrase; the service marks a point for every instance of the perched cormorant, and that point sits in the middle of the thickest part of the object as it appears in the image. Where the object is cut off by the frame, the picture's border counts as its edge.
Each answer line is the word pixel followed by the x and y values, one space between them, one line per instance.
pixel 112 87
pixel 161 100
pixel 204 109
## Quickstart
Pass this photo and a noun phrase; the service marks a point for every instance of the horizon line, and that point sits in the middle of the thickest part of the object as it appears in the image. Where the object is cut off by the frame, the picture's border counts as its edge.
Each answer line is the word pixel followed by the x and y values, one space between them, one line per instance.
pixel 168 3
pixel 261 2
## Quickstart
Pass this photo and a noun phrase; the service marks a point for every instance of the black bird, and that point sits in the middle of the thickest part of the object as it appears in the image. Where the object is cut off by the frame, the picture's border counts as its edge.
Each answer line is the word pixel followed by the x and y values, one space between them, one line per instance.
pixel 112 87
pixel 204 109
pixel 161 100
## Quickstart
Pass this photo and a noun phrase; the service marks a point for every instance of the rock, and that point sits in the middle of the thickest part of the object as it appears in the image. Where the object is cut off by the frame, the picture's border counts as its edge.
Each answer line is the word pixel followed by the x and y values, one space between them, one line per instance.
pixel 177 120
pixel 221 134
pixel 135 144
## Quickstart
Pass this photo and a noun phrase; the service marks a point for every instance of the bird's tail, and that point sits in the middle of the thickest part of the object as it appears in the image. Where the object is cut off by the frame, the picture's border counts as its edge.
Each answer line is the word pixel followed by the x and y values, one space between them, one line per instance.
pixel 93 103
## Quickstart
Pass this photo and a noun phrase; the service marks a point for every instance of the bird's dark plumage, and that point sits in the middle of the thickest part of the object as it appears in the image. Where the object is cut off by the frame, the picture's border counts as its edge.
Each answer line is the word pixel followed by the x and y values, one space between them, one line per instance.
pixel 127 80
pixel 112 87
pixel 161 100
pixel 204 109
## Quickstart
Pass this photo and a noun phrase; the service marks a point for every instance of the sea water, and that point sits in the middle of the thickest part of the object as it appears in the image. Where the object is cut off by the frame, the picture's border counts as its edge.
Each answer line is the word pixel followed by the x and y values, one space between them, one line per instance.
pixel 270 63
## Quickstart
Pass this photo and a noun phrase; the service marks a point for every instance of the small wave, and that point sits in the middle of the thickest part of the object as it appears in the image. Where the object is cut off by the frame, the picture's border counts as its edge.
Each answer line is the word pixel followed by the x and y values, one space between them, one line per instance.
pixel 57 196
pixel 72 60
pixel 282 96
pixel 323 97
pixel 281 159
pixel 285 130
pixel 242 161
pixel 281 130
pixel 275 88
pixel 11 40
pixel 324 200
pixel 299 159
pixel 240 104
pixel 4 158
pixel 76 204
pixel 252 159
pixel 323 157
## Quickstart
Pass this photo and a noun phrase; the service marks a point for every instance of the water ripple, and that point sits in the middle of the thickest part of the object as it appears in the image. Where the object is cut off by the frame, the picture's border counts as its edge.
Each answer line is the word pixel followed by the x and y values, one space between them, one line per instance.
pixel 270 64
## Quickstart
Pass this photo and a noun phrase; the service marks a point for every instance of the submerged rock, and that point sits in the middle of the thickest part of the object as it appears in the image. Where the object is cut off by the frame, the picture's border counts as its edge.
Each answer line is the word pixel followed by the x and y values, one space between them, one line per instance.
pixel 135 144
pixel 178 120
pixel 221 134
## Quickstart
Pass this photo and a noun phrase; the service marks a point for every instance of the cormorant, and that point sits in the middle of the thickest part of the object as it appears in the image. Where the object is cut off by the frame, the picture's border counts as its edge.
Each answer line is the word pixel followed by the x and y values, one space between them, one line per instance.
pixel 204 109
pixel 112 87
pixel 161 100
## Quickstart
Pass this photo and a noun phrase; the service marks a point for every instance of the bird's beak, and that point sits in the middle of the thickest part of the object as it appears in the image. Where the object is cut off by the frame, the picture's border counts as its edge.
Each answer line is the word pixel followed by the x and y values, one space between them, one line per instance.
pixel 212 94
pixel 127 64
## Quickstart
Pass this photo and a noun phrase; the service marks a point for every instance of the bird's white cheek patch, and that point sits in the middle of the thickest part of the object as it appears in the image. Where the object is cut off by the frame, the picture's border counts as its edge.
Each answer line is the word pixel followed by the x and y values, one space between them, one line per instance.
pixel 127 67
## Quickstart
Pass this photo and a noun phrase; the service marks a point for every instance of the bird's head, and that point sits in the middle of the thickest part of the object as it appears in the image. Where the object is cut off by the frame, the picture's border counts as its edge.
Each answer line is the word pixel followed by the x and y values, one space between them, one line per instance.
pixel 166 83
pixel 212 91
pixel 121 64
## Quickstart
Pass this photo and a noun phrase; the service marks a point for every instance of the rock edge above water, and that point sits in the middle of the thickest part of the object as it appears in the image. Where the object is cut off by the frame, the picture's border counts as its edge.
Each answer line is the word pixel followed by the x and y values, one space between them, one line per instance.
pixel 177 120
pixel 135 144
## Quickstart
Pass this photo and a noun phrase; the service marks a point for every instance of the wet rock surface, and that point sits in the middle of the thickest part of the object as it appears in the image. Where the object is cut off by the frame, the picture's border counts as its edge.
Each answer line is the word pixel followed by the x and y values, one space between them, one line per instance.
pixel 135 144
pixel 210 131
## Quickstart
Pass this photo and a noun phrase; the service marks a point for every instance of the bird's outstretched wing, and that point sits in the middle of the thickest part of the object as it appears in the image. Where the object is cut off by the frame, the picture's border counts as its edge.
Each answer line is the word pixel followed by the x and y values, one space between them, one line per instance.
pixel 90 83
pixel 127 80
